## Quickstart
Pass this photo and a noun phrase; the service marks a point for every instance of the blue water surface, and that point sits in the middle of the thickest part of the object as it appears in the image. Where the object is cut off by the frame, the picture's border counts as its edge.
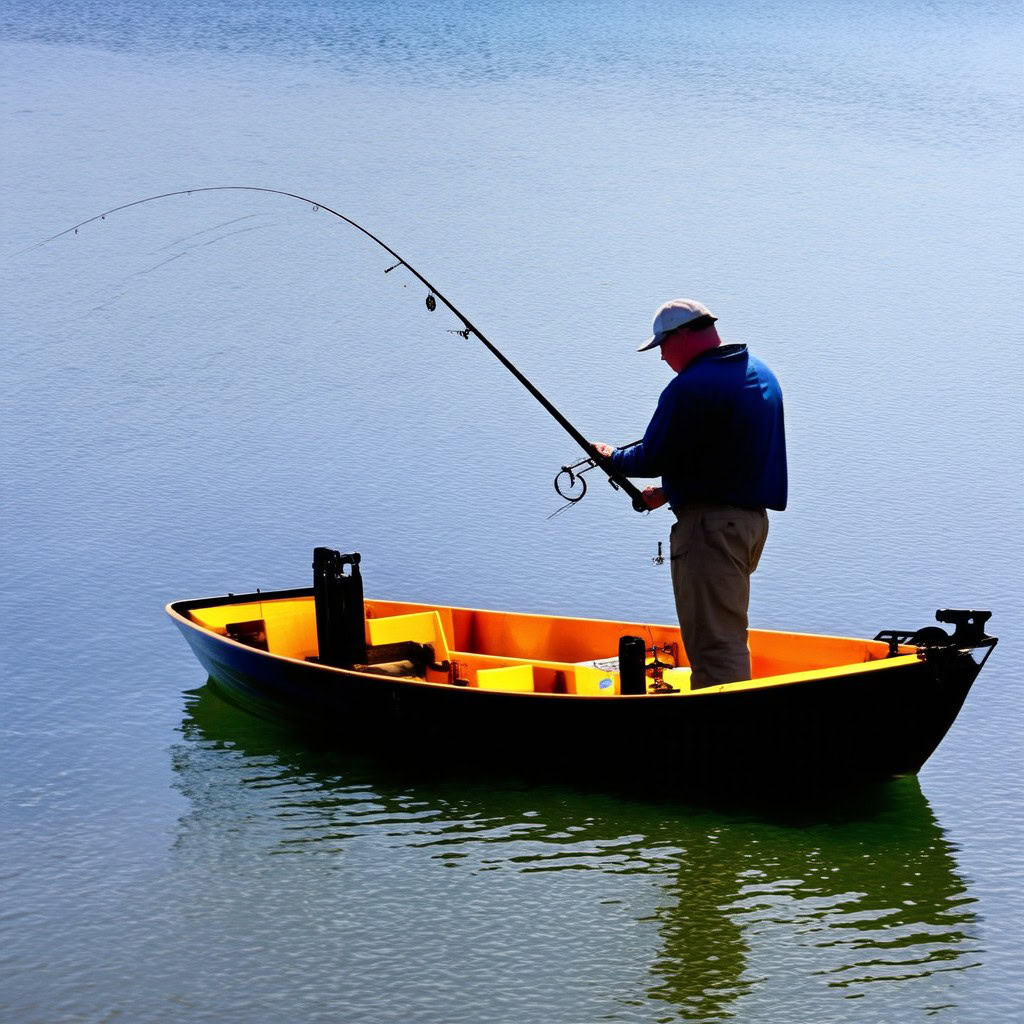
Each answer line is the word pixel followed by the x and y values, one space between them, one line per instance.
pixel 198 391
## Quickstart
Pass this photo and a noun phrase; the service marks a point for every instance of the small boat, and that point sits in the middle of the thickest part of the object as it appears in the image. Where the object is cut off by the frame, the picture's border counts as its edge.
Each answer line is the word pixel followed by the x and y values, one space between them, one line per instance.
pixel 610 699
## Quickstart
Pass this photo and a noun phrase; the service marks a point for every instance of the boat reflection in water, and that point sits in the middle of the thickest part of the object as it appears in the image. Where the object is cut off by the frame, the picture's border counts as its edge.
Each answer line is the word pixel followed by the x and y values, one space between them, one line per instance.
pixel 701 909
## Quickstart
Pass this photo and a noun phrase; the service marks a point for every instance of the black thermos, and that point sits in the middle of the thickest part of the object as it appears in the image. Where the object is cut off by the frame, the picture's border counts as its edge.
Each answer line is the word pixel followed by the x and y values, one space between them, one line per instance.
pixel 632 665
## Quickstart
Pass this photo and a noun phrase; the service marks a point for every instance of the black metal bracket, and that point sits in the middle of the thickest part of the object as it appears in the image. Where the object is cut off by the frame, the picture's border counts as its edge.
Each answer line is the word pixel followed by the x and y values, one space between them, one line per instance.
pixel 968 633
pixel 421 656
pixel 252 633
pixel 403 650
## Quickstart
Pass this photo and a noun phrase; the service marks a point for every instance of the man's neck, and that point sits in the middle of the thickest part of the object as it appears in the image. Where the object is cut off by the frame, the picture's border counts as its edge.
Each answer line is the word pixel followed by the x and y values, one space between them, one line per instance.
pixel 698 344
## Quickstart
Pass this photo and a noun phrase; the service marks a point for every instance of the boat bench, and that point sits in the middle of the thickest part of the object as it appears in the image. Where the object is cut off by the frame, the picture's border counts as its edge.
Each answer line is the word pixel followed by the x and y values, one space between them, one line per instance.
pixel 502 672
pixel 490 671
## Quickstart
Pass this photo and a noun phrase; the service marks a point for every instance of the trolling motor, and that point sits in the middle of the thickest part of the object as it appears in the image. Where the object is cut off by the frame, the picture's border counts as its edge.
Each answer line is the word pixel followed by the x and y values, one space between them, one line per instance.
pixel 968 635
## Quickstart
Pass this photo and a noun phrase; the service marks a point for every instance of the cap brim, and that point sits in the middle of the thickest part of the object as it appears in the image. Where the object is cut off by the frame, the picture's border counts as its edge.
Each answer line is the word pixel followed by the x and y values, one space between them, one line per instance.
pixel 655 340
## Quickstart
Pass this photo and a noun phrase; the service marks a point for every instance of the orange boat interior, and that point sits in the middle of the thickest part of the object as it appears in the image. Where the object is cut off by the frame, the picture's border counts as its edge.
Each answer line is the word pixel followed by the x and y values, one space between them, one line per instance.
pixel 513 651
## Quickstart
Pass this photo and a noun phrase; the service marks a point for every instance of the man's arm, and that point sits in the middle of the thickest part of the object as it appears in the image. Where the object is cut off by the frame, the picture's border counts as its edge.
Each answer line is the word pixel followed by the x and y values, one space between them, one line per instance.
pixel 648 457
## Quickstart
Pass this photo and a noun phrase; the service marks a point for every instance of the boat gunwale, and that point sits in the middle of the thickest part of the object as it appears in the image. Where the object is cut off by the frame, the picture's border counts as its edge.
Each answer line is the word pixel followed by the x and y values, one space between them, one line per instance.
pixel 175 610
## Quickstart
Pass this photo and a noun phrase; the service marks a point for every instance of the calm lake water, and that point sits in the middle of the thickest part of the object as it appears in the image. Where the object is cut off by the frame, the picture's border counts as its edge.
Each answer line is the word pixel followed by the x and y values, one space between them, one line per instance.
pixel 198 391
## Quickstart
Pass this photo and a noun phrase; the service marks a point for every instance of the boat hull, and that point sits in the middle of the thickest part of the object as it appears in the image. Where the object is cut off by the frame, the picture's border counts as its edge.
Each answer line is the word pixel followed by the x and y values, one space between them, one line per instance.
pixel 841 730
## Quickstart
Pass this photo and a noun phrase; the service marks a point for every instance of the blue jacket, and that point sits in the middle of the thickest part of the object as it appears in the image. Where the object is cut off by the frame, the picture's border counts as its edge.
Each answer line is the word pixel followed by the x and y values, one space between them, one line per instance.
pixel 717 435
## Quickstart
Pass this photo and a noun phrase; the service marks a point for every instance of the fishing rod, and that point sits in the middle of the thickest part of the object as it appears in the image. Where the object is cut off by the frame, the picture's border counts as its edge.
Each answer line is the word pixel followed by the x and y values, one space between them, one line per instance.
pixel 593 459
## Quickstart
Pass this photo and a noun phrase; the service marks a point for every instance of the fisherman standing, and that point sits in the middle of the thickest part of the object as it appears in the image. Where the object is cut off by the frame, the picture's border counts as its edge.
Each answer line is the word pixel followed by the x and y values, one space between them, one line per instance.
pixel 717 440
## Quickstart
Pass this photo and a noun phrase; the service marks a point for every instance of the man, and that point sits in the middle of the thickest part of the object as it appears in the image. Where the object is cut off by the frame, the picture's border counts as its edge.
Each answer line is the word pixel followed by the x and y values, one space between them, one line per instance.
pixel 717 440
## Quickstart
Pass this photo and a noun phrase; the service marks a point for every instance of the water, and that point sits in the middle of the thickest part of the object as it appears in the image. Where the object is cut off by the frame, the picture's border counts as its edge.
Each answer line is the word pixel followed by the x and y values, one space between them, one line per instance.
pixel 197 392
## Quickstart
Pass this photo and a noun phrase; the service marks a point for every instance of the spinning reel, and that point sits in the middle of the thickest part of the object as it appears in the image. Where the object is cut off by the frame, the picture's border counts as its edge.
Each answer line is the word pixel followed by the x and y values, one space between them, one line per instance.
pixel 573 487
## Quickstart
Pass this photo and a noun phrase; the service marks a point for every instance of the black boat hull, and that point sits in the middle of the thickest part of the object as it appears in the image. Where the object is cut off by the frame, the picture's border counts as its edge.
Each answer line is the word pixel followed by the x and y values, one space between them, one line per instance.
pixel 854 729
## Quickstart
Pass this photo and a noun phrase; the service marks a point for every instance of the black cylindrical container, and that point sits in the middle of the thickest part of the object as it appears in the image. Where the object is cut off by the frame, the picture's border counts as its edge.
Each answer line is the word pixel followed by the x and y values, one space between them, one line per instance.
pixel 632 671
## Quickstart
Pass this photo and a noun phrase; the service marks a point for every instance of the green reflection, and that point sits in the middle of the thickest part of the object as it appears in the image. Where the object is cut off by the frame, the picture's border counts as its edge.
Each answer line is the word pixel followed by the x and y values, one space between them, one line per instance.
pixel 702 963
pixel 848 901
pixel 847 898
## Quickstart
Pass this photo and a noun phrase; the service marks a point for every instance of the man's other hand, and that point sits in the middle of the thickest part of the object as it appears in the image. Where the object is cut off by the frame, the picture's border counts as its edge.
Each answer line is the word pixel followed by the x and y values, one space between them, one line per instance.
pixel 654 496
pixel 604 450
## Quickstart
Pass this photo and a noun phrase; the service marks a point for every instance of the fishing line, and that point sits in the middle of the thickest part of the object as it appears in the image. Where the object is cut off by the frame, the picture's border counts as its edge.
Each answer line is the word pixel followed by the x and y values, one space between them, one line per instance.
pixel 434 295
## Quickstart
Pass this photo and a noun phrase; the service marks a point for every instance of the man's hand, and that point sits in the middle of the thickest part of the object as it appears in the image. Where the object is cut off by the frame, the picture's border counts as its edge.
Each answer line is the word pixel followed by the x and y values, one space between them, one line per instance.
pixel 654 496
pixel 604 450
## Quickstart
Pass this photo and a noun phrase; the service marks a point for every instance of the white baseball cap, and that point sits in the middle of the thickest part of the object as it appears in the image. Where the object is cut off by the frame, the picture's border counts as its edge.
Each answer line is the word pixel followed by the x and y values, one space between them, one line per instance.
pixel 673 315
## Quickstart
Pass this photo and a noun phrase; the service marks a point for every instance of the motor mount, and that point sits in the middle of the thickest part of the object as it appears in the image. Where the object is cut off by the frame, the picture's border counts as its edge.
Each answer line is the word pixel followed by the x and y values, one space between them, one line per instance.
pixel 968 633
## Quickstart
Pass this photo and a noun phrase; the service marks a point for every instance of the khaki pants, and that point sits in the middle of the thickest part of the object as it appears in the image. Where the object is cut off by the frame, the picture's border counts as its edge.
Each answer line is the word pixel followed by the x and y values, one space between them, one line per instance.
pixel 714 549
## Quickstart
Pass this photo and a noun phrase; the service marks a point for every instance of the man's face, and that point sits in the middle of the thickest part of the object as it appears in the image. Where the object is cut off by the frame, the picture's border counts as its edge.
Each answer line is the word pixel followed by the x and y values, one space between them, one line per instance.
pixel 674 349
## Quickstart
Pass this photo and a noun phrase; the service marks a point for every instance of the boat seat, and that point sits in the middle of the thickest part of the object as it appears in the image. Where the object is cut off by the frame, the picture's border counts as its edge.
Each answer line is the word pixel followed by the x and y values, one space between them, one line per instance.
pixel 288 625
pixel 514 678
pixel 592 681
pixel 419 627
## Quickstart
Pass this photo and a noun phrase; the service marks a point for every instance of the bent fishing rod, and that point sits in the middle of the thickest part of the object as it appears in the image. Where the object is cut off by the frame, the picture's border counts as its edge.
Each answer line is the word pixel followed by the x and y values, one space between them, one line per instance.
pixel 593 460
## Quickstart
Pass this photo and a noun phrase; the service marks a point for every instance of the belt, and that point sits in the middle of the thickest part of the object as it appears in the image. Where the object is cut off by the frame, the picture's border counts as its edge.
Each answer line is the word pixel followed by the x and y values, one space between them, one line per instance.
pixel 708 506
